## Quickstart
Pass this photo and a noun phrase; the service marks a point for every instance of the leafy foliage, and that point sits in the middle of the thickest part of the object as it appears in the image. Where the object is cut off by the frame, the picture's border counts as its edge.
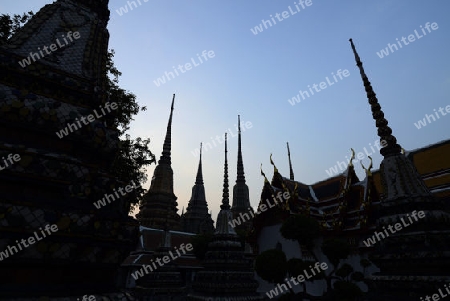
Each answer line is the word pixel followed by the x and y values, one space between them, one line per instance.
pixel 9 26
pixel 302 228
pixel 357 276
pixel 297 266
pixel 271 265
pixel 133 154
pixel 335 250
pixel 346 291
pixel 344 271
pixel 365 263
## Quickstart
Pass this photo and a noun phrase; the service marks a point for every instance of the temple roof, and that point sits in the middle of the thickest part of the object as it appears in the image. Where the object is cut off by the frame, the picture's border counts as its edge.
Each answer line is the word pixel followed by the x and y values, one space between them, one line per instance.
pixel 433 164
pixel 341 202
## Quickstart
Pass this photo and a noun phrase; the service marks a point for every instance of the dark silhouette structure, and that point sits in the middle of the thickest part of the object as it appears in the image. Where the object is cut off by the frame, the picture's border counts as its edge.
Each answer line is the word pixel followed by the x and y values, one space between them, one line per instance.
pixel 58 178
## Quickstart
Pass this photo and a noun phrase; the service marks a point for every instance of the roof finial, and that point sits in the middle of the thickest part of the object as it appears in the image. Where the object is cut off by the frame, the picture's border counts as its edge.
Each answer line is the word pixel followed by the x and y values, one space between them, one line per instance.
pixel 240 163
pixel 275 169
pixel 165 156
pixel 368 169
pixel 239 123
pixel 225 195
pixel 291 171
pixel 384 131
pixel 350 163
pixel 199 179
pixel 264 175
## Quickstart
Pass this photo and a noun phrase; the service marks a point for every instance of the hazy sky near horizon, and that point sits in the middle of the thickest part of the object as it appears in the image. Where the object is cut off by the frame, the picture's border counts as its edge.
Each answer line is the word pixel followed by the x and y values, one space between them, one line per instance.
pixel 258 75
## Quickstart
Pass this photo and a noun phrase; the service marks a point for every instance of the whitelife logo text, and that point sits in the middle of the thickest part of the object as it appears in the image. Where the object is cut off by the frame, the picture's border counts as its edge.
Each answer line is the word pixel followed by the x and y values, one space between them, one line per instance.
pixel 166 259
pixel 398 227
pixel 85 120
pixel 35 55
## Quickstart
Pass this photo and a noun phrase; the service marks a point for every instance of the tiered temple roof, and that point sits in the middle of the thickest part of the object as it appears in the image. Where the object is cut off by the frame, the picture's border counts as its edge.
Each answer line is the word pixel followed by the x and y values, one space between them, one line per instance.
pixel 171 280
pixel 340 203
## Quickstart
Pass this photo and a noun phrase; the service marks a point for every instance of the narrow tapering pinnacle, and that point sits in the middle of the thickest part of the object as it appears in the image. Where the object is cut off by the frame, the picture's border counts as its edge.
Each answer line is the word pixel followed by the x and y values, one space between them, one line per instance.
pixel 165 156
pixel 199 179
pixel 240 164
pixel 291 171
pixel 225 196
pixel 384 131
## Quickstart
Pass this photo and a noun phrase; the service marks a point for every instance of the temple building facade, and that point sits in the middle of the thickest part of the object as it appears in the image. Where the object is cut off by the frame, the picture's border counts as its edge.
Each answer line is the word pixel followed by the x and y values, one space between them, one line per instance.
pixel 405 266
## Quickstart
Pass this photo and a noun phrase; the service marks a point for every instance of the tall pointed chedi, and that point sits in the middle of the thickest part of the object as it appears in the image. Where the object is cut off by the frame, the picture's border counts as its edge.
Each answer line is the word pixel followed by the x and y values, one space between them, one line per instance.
pixel 291 171
pixel 197 219
pixel 413 261
pixel 241 198
pixel 228 273
pixel 53 75
pixel 160 203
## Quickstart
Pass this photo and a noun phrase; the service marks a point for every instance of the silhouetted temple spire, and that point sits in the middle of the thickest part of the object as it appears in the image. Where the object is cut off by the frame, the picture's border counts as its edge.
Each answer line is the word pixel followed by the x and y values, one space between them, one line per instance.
pixel 291 171
pixel 197 219
pixel 227 273
pixel 160 201
pixel 240 163
pixel 225 193
pixel 199 178
pixel 241 197
pixel 404 191
pixel 165 156
pixel 384 131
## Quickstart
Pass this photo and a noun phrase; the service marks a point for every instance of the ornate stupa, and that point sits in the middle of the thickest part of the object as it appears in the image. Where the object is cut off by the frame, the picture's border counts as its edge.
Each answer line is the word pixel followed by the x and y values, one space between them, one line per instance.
pixel 64 165
pixel 228 273
pixel 159 205
pixel 241 199
pixel 197 219
pixel 413 262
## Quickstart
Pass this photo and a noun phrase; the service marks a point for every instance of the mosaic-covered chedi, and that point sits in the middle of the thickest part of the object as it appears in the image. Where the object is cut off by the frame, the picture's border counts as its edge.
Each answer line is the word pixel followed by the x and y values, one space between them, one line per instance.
pixel 58 178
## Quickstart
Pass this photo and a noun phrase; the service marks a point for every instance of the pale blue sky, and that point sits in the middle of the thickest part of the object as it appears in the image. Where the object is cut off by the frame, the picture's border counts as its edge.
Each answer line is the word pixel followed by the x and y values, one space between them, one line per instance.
pixel 255 75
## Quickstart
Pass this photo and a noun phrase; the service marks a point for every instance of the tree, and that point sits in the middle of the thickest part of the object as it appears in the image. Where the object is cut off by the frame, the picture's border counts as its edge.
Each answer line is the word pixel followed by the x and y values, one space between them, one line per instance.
pixel 343 289
pixel 303 229
pixel 335 250
pixel 365 263
pixel 133 154
pixel 9 26
pixel 306 230
pixel 271 265
pixel 297 266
